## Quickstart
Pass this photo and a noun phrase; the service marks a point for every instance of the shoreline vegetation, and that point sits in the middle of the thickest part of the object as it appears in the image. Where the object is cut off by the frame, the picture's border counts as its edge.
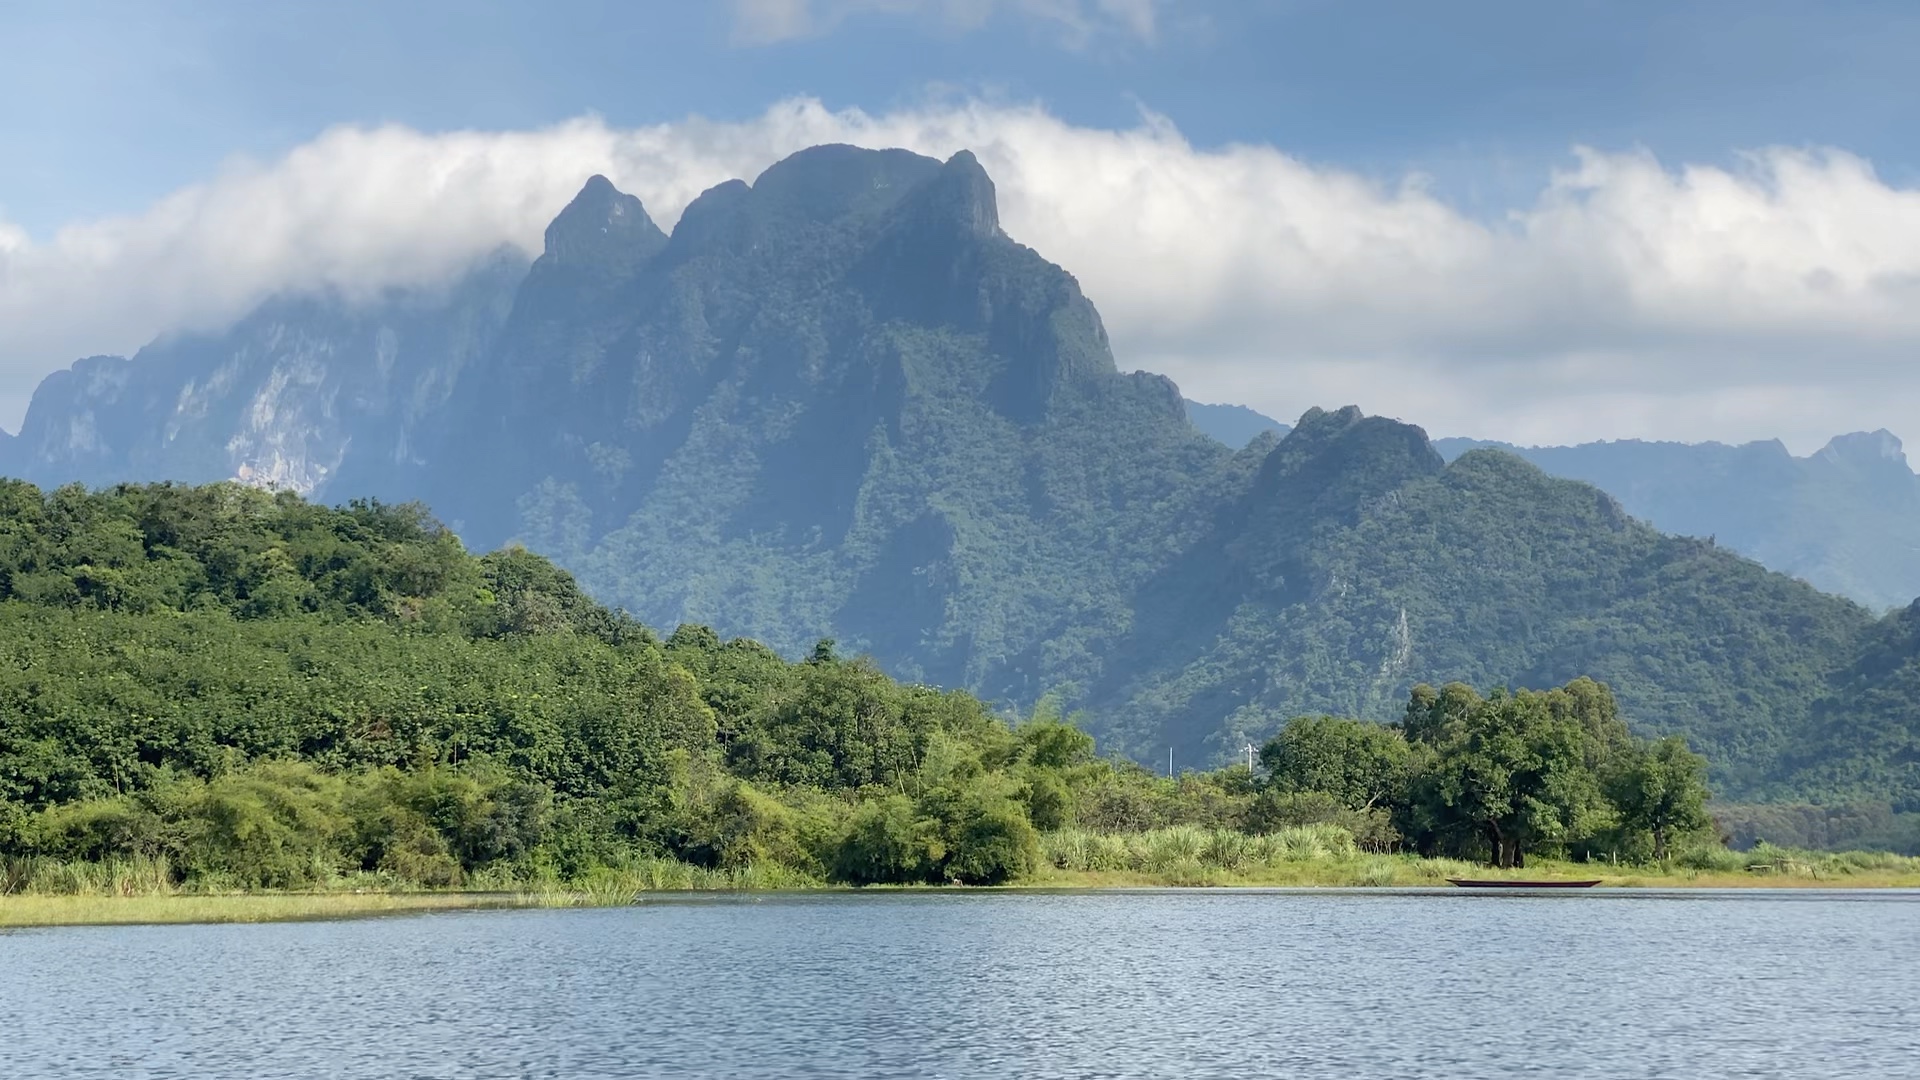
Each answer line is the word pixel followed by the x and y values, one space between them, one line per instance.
pixel 224 704
pixel 1309 858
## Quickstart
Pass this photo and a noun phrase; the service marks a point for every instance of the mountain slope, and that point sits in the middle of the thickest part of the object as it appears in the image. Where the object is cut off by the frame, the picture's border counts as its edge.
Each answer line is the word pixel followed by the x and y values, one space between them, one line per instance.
pixel 1361 564
pixel 1864 743
pixel 1846 519
pixel 838 401
pixel 310 393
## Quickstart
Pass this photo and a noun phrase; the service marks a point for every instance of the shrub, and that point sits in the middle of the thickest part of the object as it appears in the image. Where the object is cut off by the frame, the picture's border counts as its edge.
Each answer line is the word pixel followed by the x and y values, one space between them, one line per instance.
pixel 273 825
pixel 745 827
pixel 1049 804
pixel 98 829
pixel 886 844
pixel 986 835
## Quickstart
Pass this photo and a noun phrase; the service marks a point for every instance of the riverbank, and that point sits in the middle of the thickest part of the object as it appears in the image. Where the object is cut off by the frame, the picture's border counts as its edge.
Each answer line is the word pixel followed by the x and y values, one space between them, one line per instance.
pixel 613 890
pixel 1405 872
pixel 17 912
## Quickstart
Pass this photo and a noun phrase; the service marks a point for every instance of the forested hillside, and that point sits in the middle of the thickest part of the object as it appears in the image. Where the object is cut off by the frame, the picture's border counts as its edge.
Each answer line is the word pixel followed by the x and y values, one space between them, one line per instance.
pixel 1845 518
pixel 272 693
pixel 232 688
pixel 1356 562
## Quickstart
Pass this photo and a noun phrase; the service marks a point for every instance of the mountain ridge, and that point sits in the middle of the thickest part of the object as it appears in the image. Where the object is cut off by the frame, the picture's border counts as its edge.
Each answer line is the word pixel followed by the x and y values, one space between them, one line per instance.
pixel 1845 517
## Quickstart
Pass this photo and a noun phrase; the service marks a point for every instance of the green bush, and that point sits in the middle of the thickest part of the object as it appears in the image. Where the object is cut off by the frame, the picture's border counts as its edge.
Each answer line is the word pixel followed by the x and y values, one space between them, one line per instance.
pixel 886 844
pixel 1048 801
pixel 746 827
pixel 986 835
pixel 273 825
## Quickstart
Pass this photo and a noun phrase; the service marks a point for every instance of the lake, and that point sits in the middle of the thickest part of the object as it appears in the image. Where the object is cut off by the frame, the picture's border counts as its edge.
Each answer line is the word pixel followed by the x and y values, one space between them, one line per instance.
pixel 1162 983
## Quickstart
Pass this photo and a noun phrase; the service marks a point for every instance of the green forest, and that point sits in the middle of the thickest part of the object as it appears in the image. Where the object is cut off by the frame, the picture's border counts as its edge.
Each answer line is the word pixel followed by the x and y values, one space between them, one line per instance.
pixel 241 690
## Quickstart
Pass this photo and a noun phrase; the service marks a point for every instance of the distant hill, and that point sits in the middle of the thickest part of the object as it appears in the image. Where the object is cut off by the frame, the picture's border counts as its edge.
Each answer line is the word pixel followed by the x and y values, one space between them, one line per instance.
pixel 1846 519
pixel 1234 425
pixel 841 402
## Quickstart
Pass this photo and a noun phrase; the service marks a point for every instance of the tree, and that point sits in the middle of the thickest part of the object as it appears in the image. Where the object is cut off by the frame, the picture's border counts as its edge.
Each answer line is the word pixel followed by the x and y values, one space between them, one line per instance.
pixel 1512 769
pixel 1360 764
pixel 1661 789
pixel 885 843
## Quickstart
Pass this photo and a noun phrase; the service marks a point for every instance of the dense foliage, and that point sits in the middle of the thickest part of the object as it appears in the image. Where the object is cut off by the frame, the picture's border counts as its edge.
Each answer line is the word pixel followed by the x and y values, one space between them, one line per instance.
pixel 1843 518
pixel 255 691
pixel 1495 777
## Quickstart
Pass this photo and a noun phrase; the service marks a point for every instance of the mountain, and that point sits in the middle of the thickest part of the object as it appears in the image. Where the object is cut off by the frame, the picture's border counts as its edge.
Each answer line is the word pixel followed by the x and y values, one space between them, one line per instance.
pixel 1234 425
pixel 840 401
pixel 319 394
pixel 1871 714
pixel 1846 519
pixel 1355 561
pixel 837 401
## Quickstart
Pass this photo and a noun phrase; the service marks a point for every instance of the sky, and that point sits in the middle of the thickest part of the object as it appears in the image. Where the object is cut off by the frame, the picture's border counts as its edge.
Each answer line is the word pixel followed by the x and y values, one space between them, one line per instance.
pixel 1539 222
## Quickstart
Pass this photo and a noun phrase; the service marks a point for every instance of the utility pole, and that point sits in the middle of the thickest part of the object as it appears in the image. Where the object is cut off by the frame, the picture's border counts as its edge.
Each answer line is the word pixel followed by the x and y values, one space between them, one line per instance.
pixel 1169 761
pixel 1249 760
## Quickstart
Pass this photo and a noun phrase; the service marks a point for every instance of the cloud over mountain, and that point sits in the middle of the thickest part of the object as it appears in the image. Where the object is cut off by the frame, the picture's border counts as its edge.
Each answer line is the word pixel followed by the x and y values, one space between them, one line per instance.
pixel 1630 297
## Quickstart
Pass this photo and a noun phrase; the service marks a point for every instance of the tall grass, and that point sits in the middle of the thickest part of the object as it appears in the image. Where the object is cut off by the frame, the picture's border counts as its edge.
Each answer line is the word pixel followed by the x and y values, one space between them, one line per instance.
pixel 50 877
pixel 608 886
pixel 1184 850
pixel 1768 862
pixel 42 876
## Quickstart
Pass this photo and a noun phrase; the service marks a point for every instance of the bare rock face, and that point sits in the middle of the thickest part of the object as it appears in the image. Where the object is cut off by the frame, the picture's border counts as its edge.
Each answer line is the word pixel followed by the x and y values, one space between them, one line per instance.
pixel 304 391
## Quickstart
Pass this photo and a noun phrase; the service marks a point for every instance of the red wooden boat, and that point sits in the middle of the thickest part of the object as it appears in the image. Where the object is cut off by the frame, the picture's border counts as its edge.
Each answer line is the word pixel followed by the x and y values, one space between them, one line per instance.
pixel 1501 883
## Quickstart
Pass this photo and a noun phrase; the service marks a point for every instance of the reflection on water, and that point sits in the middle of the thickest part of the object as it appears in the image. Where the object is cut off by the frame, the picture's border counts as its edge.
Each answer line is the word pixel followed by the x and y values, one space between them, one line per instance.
pixel 1156 984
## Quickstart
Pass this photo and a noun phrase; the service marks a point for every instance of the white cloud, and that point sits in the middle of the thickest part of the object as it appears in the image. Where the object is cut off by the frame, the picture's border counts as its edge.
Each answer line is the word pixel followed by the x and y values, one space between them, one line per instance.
pixel 1076 22
pixel 1630 298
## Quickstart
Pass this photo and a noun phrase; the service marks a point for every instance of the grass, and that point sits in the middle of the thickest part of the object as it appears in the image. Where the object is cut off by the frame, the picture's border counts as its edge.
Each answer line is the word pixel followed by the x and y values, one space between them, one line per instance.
pixel 1325 856
pixel 45 892
pixel 51 893
pixel 45 909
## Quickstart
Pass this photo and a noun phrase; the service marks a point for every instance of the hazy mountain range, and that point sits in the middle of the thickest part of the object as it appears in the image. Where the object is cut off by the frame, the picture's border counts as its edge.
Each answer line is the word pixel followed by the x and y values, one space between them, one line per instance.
pixel 841 402
pixel 1846 518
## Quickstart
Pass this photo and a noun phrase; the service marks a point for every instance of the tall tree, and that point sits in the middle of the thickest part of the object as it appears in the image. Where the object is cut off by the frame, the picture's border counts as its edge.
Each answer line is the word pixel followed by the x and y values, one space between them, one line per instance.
pixel 1513 769
pixel 1661 789
pixel 1361 764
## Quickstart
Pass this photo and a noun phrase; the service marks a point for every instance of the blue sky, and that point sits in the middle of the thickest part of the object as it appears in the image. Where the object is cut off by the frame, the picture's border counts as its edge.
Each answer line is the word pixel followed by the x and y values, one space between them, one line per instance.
pixel 108 108
pixel 107 105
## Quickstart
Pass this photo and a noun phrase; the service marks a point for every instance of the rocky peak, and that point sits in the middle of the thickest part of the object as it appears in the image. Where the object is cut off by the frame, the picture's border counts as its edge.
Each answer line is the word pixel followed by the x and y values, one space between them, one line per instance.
pixel 977 203
pixel 828 183
pixel 602 225
pixel 65 418
pixel 1866 450
pixel 959 199
pixel 1335 461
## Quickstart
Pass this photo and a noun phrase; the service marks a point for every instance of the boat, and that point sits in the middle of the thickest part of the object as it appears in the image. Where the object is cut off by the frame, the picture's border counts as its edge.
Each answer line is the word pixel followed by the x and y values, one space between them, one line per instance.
pixel 1505 883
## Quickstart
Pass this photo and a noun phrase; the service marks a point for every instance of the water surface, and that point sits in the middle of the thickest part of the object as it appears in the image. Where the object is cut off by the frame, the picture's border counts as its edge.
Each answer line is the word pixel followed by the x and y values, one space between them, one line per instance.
pixel 1153 984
